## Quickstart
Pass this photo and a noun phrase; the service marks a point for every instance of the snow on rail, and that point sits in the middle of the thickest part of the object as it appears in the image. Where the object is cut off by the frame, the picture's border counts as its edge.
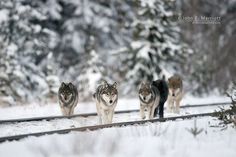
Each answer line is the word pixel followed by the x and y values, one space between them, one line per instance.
pixel 48 118
pixel 96 127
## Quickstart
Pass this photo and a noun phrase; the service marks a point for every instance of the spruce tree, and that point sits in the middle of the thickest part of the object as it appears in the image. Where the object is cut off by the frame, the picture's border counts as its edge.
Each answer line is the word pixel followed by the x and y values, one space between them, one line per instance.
pixel 157 49
pixel 24 48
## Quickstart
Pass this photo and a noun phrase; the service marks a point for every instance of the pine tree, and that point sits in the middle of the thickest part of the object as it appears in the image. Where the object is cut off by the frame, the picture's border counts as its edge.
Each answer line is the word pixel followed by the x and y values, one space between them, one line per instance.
pixel 25 46
pixel 156 49
pixel 91 29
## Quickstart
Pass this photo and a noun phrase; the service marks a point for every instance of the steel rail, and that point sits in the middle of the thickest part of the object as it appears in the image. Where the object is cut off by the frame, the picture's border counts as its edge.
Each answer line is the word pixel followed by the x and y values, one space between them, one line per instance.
pixel 97 127
pixel 48 118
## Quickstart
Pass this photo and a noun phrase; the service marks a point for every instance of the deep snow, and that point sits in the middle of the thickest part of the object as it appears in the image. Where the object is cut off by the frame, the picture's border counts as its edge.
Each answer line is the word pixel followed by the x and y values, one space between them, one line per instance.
pixel 53 109
pixel 151 139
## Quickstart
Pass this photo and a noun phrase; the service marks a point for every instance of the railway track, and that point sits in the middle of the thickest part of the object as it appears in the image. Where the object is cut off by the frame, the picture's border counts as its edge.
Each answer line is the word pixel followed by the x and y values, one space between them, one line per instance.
pixel 97 127
pixel 48 118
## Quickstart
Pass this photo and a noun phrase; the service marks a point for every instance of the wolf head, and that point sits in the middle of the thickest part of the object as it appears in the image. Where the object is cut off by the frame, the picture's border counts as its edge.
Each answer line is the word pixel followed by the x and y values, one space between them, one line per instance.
pixel 145 91
pixel 66 91
pixel 109 93
pixel 175 85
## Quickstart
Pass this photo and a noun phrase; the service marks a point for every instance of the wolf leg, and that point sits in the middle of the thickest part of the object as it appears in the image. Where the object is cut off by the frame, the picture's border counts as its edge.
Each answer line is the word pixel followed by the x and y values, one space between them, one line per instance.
pixel 99 114
pixel 156 111
pixel 104 115
pixel 177 103
pixel 73 107
pixel 153 108
pixel 170 103
pixel 106 119
pixel 161 109
pixel 71 111
pixel 67 111
pixel 110 115
pixel 99 118
pixel 157 108
pixel 149 111
pixel 64 111
pixel 142 113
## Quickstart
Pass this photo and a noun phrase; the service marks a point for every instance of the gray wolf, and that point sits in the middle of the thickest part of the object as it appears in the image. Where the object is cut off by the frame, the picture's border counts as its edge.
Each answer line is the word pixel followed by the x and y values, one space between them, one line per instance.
pixel 149 97
pixel 106 97
pixel 175 85
pixel 68 98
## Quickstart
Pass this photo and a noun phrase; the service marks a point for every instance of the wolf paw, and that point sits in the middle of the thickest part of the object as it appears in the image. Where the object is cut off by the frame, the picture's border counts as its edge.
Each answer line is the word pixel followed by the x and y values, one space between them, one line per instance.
pixel 176 111
pixel 170 110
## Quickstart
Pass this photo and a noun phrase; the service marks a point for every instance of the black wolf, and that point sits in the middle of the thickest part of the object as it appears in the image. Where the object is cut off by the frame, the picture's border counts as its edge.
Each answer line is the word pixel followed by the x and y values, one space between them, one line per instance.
pixel 162 86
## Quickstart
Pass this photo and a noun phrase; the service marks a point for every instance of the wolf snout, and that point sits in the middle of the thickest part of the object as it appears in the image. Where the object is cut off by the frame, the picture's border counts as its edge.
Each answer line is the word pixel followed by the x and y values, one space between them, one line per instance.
pixel 65 97
pixel 144 98
pixel 110 101
pixel 173 94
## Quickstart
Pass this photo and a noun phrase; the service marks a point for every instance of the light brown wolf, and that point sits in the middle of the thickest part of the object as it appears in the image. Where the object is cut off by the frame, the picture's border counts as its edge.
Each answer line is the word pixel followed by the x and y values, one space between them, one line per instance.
pixel 175 85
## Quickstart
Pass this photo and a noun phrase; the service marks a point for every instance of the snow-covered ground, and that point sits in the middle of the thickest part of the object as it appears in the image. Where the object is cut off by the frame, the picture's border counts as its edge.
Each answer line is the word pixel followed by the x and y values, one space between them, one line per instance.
pixel 151 139
pixel 38 126
pixel 7 129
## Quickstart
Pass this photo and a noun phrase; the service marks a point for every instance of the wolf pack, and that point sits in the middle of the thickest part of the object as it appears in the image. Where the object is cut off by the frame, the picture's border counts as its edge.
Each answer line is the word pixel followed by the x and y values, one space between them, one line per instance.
pixel 152 97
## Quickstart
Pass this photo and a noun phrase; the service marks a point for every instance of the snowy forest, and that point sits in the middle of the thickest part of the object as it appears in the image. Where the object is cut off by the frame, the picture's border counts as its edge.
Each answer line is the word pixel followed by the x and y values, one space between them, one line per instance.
pixel 117 78
pixel 45 42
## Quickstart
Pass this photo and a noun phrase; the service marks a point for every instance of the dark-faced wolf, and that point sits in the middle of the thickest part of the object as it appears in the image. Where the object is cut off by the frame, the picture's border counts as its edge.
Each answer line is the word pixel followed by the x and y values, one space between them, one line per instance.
pixel 149 97
pixel 68 98
pixel 175 84
pixel 152 97
pixel 106 97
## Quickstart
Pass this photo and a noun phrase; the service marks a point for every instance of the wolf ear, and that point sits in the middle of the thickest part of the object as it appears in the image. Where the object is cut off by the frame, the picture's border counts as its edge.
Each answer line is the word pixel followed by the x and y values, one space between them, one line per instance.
pixel 114 84
pixel 179 78
pixel 142 83
pixel 63 84
pixel 71 85
pixel 104 82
